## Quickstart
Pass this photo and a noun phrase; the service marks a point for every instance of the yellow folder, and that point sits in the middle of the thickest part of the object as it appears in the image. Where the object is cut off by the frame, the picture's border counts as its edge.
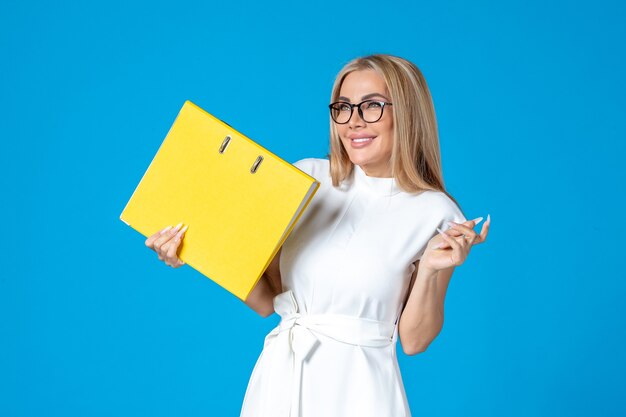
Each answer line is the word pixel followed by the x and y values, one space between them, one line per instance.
pixel 239 200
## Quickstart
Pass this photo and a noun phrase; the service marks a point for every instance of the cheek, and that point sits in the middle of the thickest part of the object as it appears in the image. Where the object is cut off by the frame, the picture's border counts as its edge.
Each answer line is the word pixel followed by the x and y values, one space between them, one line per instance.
pixel 389 133
pixel 343 136
pixel 342 139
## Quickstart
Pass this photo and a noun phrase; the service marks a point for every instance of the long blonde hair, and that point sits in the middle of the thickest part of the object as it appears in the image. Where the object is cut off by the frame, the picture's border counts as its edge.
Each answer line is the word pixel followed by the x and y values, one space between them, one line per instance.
pixel 415 157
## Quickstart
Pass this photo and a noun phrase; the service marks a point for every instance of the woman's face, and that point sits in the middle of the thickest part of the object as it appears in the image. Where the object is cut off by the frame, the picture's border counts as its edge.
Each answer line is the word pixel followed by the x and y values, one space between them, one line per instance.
pixel 368 145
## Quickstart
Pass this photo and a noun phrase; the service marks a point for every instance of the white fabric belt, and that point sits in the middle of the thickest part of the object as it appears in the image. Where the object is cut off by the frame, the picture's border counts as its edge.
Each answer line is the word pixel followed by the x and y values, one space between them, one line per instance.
pixel 303 331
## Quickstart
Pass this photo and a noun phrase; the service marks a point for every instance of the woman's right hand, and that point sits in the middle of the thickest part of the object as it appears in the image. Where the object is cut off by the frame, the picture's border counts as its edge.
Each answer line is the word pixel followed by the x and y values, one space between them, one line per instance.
pixel 166 243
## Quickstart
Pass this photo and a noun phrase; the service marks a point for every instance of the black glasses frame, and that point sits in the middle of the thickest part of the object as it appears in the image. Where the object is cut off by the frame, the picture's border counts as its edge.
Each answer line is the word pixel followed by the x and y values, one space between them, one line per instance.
pixel 359 110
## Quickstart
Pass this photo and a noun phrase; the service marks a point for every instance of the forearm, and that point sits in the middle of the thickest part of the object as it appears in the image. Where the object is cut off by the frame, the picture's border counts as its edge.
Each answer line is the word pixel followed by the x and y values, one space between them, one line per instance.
pixel 261 299
pixel 422 317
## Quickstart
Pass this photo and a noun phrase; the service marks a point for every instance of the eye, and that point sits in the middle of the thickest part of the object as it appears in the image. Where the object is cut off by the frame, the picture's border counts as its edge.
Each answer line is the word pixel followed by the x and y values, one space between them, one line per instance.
pixel 373 105
pixel 341 107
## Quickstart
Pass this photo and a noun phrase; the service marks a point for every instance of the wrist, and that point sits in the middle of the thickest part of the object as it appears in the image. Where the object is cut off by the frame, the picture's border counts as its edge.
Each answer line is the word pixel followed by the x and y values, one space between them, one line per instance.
pixel 425 271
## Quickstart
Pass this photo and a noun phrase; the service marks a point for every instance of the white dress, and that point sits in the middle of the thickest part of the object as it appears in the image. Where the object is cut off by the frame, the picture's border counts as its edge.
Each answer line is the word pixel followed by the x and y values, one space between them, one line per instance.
pixel 345 271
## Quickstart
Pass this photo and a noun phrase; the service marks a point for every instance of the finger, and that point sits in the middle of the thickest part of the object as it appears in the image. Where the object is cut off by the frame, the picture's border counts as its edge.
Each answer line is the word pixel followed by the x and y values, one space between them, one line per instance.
pixel 443 244
pixel 449 239
pixel 168 252
pixel 464 230
pixel 150 241
pixel 171 258
pixel 162 252
pixel 467 223
pixel 457 255
pixel 471 223
pixel 451 232
pixel 171 240
pixel 165 237
pixel 172 252
pixel 475 221
pixel 484 231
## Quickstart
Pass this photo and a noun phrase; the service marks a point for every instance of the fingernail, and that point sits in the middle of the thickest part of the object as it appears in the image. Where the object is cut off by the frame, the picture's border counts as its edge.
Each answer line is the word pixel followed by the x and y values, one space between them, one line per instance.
pixel 177 227
pixel 441 231
pixel 166 229
pixel 488 218
pixel 478 220
pixel 452 224
pixel 182 232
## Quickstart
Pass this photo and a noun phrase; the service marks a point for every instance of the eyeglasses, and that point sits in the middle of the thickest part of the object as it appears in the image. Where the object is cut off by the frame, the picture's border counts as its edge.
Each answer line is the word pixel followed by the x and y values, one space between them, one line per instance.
pixel 370 111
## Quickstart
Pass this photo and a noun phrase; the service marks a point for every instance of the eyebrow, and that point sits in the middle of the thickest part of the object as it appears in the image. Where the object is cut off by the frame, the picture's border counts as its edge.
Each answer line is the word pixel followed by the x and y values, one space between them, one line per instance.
pixel 365 97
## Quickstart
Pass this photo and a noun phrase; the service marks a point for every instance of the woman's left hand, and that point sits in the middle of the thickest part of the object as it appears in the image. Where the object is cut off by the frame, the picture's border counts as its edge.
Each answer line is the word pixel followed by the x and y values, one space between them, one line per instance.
pixel 450 248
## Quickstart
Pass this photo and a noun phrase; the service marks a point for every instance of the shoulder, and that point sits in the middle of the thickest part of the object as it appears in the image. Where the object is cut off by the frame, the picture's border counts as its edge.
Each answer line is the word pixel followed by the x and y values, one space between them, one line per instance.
pixel 315 167
pixel 442 208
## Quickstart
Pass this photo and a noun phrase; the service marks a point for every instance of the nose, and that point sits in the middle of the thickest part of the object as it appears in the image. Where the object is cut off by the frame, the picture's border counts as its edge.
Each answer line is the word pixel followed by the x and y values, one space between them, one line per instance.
pixel 355 119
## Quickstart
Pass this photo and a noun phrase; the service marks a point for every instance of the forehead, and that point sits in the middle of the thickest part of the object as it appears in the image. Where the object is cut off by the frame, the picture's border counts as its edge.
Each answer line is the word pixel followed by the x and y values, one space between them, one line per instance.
pixel 359 83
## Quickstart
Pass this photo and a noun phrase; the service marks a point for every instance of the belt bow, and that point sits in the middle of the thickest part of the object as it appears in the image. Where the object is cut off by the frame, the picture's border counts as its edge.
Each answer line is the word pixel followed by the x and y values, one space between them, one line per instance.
pixel 304 330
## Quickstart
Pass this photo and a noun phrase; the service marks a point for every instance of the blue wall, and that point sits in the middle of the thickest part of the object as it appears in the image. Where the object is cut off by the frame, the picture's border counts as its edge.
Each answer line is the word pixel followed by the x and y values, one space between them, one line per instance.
pixel 530 103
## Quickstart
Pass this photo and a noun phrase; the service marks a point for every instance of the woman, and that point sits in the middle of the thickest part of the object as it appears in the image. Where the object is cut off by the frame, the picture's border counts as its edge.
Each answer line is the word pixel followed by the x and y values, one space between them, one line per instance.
pixel 365 263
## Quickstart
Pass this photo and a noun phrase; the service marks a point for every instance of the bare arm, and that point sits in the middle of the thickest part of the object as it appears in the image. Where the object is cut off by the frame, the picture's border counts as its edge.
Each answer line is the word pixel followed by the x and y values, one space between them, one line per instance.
pixel 261 299
pixel 422 317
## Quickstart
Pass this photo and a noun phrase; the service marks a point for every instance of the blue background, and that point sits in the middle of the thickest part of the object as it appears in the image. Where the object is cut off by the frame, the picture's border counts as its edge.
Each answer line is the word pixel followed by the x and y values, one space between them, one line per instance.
pixel 530 103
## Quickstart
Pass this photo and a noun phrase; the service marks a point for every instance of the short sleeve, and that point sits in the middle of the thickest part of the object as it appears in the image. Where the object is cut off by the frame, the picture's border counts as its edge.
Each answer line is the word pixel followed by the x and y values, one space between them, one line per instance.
pixel 442 210
pixel 304 165
pixel 450 211
pixel 311 166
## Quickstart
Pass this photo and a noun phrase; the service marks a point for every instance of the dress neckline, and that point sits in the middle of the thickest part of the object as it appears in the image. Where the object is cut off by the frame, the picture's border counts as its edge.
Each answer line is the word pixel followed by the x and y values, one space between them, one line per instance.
pixel 381 186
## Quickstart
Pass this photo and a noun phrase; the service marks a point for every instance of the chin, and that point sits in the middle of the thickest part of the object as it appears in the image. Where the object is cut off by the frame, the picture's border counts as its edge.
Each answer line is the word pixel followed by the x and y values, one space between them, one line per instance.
pixel 361 160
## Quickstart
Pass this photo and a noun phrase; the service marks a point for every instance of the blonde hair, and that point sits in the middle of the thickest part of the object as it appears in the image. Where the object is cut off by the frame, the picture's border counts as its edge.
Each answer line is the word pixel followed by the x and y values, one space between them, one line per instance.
pixel 415 157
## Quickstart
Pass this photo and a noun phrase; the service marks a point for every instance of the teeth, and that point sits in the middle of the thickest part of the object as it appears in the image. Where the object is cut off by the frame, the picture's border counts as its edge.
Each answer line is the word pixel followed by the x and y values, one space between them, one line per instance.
pixel 362 139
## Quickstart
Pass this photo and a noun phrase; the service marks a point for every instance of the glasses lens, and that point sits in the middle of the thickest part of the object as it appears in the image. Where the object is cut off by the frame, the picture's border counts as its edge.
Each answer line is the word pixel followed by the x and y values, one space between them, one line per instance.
pixel 340 112
pixel 372 111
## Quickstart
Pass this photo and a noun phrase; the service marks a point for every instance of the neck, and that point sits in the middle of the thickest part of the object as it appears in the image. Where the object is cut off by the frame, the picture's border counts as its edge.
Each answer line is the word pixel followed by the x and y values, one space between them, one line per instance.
pixel 377 172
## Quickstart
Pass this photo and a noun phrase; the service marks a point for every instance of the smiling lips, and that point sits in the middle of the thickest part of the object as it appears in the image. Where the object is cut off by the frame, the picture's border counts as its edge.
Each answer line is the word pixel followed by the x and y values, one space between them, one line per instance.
pixel 360 142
